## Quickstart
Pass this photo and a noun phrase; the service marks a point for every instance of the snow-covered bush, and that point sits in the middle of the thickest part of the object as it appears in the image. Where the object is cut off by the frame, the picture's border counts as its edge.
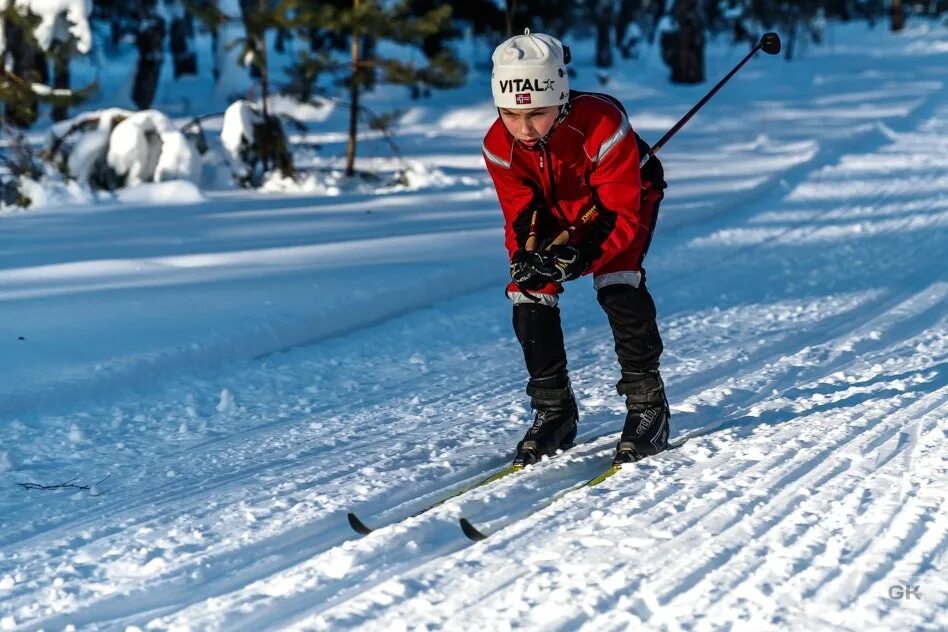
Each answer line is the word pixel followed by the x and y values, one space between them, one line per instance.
pixel 237 137
pixel 114 147
pixel 78 147
pixel 254 144
pixel 146 147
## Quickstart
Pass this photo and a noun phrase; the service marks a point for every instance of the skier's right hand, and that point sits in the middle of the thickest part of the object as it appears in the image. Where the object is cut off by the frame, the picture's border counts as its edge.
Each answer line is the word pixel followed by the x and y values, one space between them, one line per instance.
pixel 530 270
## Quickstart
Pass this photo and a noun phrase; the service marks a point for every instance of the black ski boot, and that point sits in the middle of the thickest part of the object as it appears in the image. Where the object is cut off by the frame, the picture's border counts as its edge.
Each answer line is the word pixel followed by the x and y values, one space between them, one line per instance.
pixel 647 422
pixel 554 427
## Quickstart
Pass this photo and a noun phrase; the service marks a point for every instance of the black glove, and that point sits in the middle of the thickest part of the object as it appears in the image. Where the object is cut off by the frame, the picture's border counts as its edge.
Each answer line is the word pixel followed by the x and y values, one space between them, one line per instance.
pixel 565 263
pixel 532 270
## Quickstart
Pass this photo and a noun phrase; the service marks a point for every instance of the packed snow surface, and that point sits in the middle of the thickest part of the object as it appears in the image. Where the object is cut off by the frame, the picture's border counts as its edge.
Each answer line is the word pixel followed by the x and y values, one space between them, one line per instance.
pixel 216 382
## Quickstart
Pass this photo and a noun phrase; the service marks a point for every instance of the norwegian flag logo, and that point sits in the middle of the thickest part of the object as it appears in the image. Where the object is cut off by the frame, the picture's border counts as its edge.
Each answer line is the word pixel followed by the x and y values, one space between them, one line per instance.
pixel 524 98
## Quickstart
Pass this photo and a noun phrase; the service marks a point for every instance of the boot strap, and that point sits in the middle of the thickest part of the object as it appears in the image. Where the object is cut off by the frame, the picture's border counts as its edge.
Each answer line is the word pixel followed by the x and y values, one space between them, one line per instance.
pixel 549 393
pixel 642 390
pixel 549 397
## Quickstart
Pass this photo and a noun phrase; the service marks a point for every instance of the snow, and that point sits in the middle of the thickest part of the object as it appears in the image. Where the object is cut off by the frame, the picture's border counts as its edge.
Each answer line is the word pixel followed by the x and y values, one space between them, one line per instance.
pixel 107 119
pixel 178 159
pixel 227 404
pixel 90 147
pixel 411 175
pixel 231 374
pixel 317 111
pixel 44 90
pixel 239 120
pixel 666 24
pixel 154 193
pixel 130 153
pixel 54 192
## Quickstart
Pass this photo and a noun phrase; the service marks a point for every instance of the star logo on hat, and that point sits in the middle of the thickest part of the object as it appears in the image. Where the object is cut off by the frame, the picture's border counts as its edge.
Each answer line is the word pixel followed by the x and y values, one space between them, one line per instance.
pixel 524 98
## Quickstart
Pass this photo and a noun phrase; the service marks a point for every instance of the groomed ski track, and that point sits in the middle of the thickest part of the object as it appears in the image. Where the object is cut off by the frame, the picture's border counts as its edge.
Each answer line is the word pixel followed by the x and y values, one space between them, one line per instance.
pixel 806 348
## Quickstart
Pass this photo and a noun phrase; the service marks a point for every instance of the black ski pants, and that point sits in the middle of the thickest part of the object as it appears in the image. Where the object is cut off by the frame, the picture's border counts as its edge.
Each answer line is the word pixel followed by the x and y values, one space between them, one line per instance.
pixel 631 313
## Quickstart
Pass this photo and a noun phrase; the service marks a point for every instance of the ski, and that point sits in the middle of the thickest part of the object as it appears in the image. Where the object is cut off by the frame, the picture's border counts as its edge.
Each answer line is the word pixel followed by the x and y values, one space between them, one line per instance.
pixel 470 531
pixel 360 527
pixel 476 535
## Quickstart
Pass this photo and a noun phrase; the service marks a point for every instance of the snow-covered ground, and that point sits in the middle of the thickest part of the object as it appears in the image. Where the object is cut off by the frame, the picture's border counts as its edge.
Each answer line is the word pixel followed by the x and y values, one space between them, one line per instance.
pixel 243 370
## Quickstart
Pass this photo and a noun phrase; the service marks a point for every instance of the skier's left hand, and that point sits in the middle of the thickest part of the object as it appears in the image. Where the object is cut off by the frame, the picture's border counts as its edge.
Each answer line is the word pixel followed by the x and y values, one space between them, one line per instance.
pixel 568 262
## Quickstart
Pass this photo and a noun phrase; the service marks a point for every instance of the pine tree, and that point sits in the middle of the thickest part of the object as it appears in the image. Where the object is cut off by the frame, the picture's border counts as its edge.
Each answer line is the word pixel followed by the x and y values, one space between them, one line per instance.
pixel 260 17
pixel 626 14
pixel 683 47
pixel 898 16
pixel 366 22
pixel 181 33
pixel 484 17
pixel 119 17
pixel 27 65
pixel 149 40
pixel 24 80
pixel 209 13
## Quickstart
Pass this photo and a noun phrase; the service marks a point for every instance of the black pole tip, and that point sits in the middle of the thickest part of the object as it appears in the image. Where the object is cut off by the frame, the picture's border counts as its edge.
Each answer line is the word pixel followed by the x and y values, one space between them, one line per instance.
pixel 770 43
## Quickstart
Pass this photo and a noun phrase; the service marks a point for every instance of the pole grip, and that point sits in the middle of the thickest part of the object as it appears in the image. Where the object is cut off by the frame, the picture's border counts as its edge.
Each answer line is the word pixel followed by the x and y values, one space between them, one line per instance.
pixel 531 244
pixel 564 237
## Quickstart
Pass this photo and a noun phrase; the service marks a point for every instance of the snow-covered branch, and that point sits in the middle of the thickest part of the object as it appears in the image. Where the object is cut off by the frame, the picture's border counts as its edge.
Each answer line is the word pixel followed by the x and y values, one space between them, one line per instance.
pixel 59 21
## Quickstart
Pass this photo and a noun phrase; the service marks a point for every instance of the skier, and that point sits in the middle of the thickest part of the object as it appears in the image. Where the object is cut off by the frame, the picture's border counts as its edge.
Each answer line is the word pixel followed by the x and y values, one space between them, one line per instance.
pixel 565 165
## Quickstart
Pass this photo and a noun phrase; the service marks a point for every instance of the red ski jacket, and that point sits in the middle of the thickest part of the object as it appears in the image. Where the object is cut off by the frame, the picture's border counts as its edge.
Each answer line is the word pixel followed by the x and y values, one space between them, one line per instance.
pixel 591 158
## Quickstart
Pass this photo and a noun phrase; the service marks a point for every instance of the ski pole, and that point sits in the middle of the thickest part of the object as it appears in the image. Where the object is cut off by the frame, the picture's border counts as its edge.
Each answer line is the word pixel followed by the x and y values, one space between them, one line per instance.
pixel 531 246
pixel 769 43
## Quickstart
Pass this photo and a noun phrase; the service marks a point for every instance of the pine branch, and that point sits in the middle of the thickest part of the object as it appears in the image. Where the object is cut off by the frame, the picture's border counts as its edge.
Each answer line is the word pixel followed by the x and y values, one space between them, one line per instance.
pixel 18 90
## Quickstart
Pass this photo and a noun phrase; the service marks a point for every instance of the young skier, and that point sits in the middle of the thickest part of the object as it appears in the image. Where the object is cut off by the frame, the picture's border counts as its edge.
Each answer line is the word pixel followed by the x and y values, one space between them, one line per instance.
pixel 575 201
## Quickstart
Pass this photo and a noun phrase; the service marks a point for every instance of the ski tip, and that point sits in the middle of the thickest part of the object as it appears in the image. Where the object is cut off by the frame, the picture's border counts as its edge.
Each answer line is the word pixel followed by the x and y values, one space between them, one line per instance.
pixel 357 525
pixel 471 532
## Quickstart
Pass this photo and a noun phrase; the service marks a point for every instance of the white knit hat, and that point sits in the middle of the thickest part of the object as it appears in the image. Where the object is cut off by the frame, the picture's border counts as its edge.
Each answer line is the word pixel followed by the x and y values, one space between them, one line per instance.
pixel 530 72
